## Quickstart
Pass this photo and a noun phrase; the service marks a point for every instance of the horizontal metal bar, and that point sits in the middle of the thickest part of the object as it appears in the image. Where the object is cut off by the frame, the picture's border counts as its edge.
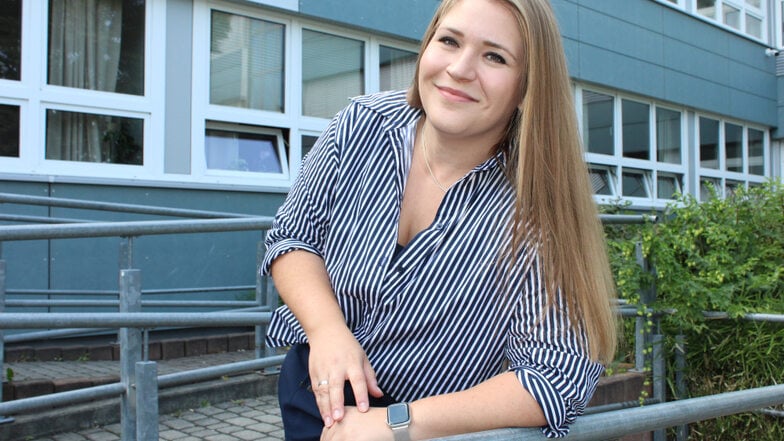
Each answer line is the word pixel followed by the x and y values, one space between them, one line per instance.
pixel 137 228
pixel 777 318
pixel 76 292
pixel 62 399
pixel 608 425
pixel 196 375
pixel 150 303
pixel 612 219
pixel 110 206
pixel 45 335
pixel 26 320
pixel 39 219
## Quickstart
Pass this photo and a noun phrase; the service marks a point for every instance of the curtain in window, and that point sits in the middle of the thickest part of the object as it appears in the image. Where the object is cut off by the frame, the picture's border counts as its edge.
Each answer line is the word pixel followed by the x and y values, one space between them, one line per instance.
pixel 85 39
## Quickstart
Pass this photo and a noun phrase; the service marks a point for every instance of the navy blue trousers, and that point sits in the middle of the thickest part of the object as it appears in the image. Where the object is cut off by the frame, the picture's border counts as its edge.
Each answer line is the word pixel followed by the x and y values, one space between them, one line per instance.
pixel 299 412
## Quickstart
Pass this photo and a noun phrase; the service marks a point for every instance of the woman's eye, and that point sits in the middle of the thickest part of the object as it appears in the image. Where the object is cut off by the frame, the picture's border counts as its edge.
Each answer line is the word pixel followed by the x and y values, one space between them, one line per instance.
pixel 449 41
pixel 495 58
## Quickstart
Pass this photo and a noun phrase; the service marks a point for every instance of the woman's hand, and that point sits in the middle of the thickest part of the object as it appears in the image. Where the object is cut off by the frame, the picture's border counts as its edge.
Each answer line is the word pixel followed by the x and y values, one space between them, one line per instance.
pixel 336 356
pixel 370 425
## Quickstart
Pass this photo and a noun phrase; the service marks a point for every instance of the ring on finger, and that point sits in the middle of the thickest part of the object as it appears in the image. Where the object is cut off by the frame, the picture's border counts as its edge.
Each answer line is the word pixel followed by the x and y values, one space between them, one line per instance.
pixel 323 383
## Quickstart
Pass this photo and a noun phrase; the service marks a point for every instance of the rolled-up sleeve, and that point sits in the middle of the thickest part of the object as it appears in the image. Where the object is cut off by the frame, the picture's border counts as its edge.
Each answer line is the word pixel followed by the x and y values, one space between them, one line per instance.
pixel 302 222
pixel 549 358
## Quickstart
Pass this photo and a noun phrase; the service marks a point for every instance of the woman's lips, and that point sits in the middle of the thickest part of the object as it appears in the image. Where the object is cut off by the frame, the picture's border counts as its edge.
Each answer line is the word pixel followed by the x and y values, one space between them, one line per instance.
pixel 455 95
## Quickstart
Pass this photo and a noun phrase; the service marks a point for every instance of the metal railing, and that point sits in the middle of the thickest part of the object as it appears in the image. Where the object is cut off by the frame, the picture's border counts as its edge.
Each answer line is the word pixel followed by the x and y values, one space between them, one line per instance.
pixel 139 383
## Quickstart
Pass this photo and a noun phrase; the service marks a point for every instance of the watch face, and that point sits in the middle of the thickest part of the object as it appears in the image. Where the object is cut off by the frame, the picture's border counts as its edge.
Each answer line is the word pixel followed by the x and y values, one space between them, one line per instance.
pixel 397 414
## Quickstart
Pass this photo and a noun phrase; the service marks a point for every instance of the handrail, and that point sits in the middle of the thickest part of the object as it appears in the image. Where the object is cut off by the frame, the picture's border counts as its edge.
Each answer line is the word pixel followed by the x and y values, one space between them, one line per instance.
pixel 35 320
pixel 131 228
pixel 11 198
pixel 614 424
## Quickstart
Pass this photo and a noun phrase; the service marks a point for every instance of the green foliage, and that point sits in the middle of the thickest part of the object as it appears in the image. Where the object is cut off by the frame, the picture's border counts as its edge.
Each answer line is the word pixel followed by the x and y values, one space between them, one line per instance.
pixel 720 255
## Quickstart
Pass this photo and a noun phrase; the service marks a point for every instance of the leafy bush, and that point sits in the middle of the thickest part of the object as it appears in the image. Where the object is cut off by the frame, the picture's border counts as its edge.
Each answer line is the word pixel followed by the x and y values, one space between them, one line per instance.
pixel 720 255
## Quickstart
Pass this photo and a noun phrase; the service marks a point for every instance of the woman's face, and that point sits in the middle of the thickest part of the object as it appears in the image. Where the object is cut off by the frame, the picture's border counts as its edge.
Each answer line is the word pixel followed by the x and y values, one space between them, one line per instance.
pixel 470 73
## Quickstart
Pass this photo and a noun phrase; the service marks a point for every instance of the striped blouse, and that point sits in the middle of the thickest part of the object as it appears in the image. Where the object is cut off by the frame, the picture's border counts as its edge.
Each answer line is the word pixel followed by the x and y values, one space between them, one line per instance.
pixel 443 314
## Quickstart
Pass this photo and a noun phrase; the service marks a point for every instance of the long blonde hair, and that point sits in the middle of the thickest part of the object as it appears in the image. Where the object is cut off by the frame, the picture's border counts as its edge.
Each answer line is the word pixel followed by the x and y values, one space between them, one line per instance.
pixel 546 167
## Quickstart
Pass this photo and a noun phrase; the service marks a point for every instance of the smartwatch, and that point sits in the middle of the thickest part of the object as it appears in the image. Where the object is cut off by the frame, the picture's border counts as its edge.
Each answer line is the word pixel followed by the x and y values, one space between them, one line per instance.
pixel 398 419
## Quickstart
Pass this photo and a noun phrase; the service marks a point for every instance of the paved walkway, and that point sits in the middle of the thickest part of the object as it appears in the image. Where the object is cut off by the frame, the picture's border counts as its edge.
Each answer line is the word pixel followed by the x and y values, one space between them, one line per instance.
pixel 255 418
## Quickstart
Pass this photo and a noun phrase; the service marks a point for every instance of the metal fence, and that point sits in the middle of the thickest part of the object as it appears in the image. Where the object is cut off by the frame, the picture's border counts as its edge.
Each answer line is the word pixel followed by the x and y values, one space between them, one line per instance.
pixel 139 382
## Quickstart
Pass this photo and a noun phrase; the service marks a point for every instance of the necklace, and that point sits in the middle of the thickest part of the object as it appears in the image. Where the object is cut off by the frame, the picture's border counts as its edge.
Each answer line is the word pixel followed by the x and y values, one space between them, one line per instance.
pixel 427 163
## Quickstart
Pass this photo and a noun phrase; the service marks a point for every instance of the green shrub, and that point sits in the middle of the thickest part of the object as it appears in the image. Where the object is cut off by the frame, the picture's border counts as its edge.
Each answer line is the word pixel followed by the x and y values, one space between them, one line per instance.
pixel 720 255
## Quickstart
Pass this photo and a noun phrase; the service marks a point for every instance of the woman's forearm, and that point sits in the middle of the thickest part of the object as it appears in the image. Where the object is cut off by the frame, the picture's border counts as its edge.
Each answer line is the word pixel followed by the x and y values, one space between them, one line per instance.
pixel 498 402
pixel 303 284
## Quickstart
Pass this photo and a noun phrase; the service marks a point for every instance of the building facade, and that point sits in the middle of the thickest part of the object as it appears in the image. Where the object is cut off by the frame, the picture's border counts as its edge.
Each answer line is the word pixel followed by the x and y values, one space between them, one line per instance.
pixel 212 104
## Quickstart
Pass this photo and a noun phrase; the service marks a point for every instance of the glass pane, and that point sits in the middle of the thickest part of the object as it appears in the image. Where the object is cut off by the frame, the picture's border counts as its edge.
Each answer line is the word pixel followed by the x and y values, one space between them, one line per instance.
pixel 756 152
pixel 97 45
pixel 598 134
pixel 707 8
pixel 668 136
pixel 733 147
pixel 634 184
pixel 242 151
pixel 9 130
pixel 709 143
pixel 600 181
pixel 753 26
pixel 636 130
pixel 10 39
pixel 754 3
pixel 730 187
pixel 333 70
pixel 87 137
pixel 397 68
pixel 246 62
pixel 667 186
pixel 709 188
pixel 731 16
pixel 307 144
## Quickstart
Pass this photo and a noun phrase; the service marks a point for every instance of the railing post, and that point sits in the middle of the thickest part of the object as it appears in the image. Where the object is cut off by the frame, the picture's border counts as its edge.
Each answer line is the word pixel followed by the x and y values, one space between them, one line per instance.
pixel 682 431
pixel 261 298
pixel 659 379
pixel 130 350
pixel 3 419
pixel 147 401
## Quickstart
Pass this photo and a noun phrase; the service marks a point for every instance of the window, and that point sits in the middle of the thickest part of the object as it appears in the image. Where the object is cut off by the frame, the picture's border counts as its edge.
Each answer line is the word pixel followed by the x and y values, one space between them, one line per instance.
pixel 733 147
pixel 246 62
pixel 732 155
pixel 598 109
pixel 9 131
pixel 397 68
pixel 87 137
pixel 668 136
pixel 74 95
pixel 333 70
pixel 266 83
pixel 646 163
pixel 745 16
pixel 10 39
pixel 244 149
pixel 636 129
pixel 635 183
pixel 756 152
pixel 97 46
pixel 709 143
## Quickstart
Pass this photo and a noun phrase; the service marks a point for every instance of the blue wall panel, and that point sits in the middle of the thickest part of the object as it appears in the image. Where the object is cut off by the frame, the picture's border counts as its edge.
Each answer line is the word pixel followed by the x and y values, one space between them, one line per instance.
pixel 646 48
pixel 404 18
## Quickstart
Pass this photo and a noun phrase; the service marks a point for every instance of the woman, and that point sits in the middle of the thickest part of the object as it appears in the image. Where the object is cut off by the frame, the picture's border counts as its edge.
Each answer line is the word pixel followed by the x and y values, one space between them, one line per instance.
pixel 441 250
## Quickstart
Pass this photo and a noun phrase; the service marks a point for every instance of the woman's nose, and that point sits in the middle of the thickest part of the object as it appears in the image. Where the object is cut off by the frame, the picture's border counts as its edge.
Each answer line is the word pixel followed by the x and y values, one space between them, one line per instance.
pixel 462 67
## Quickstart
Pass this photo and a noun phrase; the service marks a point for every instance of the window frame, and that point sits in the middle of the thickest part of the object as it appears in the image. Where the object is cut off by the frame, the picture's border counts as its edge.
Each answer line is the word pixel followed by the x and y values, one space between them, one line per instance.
pixel 768 32
pixel 617 163
pixel 35 96
pixel 721 174
pixel 291 122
